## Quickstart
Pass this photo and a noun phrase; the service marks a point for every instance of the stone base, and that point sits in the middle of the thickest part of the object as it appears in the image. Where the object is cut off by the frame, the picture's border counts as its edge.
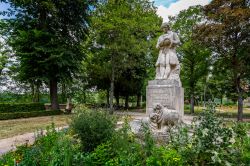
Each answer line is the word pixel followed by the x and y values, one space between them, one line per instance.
pixel 167 93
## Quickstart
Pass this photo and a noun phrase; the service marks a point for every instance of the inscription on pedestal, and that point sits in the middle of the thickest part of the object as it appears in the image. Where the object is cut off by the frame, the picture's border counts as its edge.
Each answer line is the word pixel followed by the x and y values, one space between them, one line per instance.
pixel 166 93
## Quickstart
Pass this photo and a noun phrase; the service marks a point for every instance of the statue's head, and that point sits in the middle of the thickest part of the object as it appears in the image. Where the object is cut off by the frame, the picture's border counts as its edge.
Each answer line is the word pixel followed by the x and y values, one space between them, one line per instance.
pixel 158 107
pixel 165 26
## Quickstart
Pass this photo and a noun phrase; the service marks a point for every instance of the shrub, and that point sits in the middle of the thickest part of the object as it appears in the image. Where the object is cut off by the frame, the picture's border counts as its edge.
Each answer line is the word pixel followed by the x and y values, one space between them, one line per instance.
pixel 163 156
pixel 93 128
pixel 211 143
pixel 27 107
pixel 122 149
pixel 54 148
pixel 16 115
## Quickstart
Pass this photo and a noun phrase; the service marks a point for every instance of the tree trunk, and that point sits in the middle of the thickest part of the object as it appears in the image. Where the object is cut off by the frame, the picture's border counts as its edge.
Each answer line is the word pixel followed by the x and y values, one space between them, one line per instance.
pixel 240 108
pixel 221 100
pixel 32 91
pixel 64 93
pixel 240 101
pixel 35 86
pixel 192 103
pixel 107 96
pixel 84 96
pixel 117 98
pixel 237 81
pixel 138 103
pixel 37 92
pixel 111 111
pixel 126 102
pixel 53 94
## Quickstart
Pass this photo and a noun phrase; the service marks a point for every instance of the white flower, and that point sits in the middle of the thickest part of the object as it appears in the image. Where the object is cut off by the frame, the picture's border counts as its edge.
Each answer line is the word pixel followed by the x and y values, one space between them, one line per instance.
pixel 219 140
pixel 205 132
pixel 232 140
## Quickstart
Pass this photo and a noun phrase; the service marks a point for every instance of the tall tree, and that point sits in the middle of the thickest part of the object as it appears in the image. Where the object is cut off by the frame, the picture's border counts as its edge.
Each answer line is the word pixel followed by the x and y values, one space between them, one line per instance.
pixel 46 37
pixel 195 59
pixel 121 31
pixel 227 32
pixel 3 49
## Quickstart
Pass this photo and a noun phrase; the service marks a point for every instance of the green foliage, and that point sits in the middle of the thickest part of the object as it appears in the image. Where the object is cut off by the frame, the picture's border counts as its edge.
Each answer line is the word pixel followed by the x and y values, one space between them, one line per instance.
pixel 102 154
pixel 25 107
pixel 246 151
pixel 226 32
pixel 195 58
pixel 16 115
pixel 122 149
pixel 54 148
pixel 211 143
pixel 121 45
pixel 46 38
pixel 161 156
pixel 93 128
pixel 3 50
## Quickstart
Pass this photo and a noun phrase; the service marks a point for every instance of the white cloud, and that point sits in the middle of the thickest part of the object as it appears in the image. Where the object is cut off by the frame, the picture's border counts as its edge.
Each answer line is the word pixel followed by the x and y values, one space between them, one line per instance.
pixel 176 7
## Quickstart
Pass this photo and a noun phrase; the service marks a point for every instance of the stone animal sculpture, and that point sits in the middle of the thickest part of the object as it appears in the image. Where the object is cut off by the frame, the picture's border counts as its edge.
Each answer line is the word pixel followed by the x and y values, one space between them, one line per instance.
pixel 162 116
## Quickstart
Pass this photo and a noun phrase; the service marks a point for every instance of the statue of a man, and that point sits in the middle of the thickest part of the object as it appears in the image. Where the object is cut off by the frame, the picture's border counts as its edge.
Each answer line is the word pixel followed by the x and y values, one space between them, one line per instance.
pixel 167 65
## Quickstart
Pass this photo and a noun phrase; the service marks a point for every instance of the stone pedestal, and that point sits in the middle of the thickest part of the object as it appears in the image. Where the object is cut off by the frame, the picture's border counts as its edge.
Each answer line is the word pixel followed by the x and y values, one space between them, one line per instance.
pixel 167 93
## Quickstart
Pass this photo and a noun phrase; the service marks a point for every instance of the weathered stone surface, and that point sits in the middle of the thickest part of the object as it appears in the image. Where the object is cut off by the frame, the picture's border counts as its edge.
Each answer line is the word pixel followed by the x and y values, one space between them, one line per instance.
pixel 166 90
pixel 166 93
pixel 162 117
pixel 167 64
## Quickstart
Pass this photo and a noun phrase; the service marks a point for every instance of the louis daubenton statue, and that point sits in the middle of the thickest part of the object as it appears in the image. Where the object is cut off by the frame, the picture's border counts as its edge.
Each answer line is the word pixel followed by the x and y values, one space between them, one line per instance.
pixel 167 65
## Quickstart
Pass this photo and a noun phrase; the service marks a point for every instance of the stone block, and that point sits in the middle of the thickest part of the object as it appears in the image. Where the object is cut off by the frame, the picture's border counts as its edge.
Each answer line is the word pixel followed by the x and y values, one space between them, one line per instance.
pixel 167 93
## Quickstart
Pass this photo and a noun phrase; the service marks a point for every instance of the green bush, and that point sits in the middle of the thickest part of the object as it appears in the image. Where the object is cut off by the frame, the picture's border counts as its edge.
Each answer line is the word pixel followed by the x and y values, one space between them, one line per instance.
pixel 208 141
pixel 163 156
pixel 122 149
pixel 16 115
pixel 25 107
pixel 93 128
pixel 54 148
pixel 211 142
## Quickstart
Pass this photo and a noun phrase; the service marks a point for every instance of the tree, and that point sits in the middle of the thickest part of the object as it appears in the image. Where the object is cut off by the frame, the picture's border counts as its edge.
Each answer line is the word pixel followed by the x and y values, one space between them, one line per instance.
pixel 3 58
pixel 46 37
pixel 3 49
pixel 121 30
pixel 195 59
pixel 227 33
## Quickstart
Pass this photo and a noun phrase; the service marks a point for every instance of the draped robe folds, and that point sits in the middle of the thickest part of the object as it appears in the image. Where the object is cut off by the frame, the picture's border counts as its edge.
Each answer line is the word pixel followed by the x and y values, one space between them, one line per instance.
pixel 167 65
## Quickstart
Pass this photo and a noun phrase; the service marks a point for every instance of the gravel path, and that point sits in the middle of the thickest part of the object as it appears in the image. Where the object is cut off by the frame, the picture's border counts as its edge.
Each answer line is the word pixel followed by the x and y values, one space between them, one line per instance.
pixel 9 144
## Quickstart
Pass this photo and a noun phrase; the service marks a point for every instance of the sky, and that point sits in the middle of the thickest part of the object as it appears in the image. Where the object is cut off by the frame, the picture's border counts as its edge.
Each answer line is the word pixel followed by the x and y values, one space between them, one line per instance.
pixel 173 7
pixel 165 7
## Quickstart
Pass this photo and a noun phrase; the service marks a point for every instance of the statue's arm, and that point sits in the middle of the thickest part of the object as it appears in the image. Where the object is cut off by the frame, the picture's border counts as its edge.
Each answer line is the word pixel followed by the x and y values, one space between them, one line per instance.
pixel 159 43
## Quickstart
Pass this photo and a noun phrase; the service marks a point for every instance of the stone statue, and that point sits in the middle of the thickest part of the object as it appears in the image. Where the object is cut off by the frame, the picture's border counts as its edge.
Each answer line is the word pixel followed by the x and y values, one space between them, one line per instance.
pixel 167 65
pixel 165 95
pixel 162 117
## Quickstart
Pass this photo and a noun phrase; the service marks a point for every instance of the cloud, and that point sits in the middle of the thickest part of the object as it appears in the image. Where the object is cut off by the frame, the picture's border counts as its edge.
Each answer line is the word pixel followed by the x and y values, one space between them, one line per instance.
pixel 176 7
pixel 165 3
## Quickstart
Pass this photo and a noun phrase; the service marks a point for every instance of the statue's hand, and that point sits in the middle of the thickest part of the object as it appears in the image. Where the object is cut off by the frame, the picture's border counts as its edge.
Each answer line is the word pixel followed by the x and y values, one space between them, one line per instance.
pixel 166 42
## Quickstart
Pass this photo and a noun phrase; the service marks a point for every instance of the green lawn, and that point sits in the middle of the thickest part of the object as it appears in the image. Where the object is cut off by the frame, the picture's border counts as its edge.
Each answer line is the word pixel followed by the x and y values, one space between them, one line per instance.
pixel 224 111
pixel 10 128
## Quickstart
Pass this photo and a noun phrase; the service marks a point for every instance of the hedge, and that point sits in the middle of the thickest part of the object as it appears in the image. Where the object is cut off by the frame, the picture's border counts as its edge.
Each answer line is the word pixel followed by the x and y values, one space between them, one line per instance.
pixel 26 107
pixel 16 115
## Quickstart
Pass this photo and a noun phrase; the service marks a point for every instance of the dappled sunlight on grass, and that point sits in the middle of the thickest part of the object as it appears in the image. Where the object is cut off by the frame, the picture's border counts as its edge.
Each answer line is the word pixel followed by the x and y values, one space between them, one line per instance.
pixel 10 128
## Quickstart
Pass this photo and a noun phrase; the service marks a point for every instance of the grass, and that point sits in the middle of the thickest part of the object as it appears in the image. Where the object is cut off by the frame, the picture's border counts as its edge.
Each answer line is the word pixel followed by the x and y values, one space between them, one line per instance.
pixel 223 111
pixel 10 128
